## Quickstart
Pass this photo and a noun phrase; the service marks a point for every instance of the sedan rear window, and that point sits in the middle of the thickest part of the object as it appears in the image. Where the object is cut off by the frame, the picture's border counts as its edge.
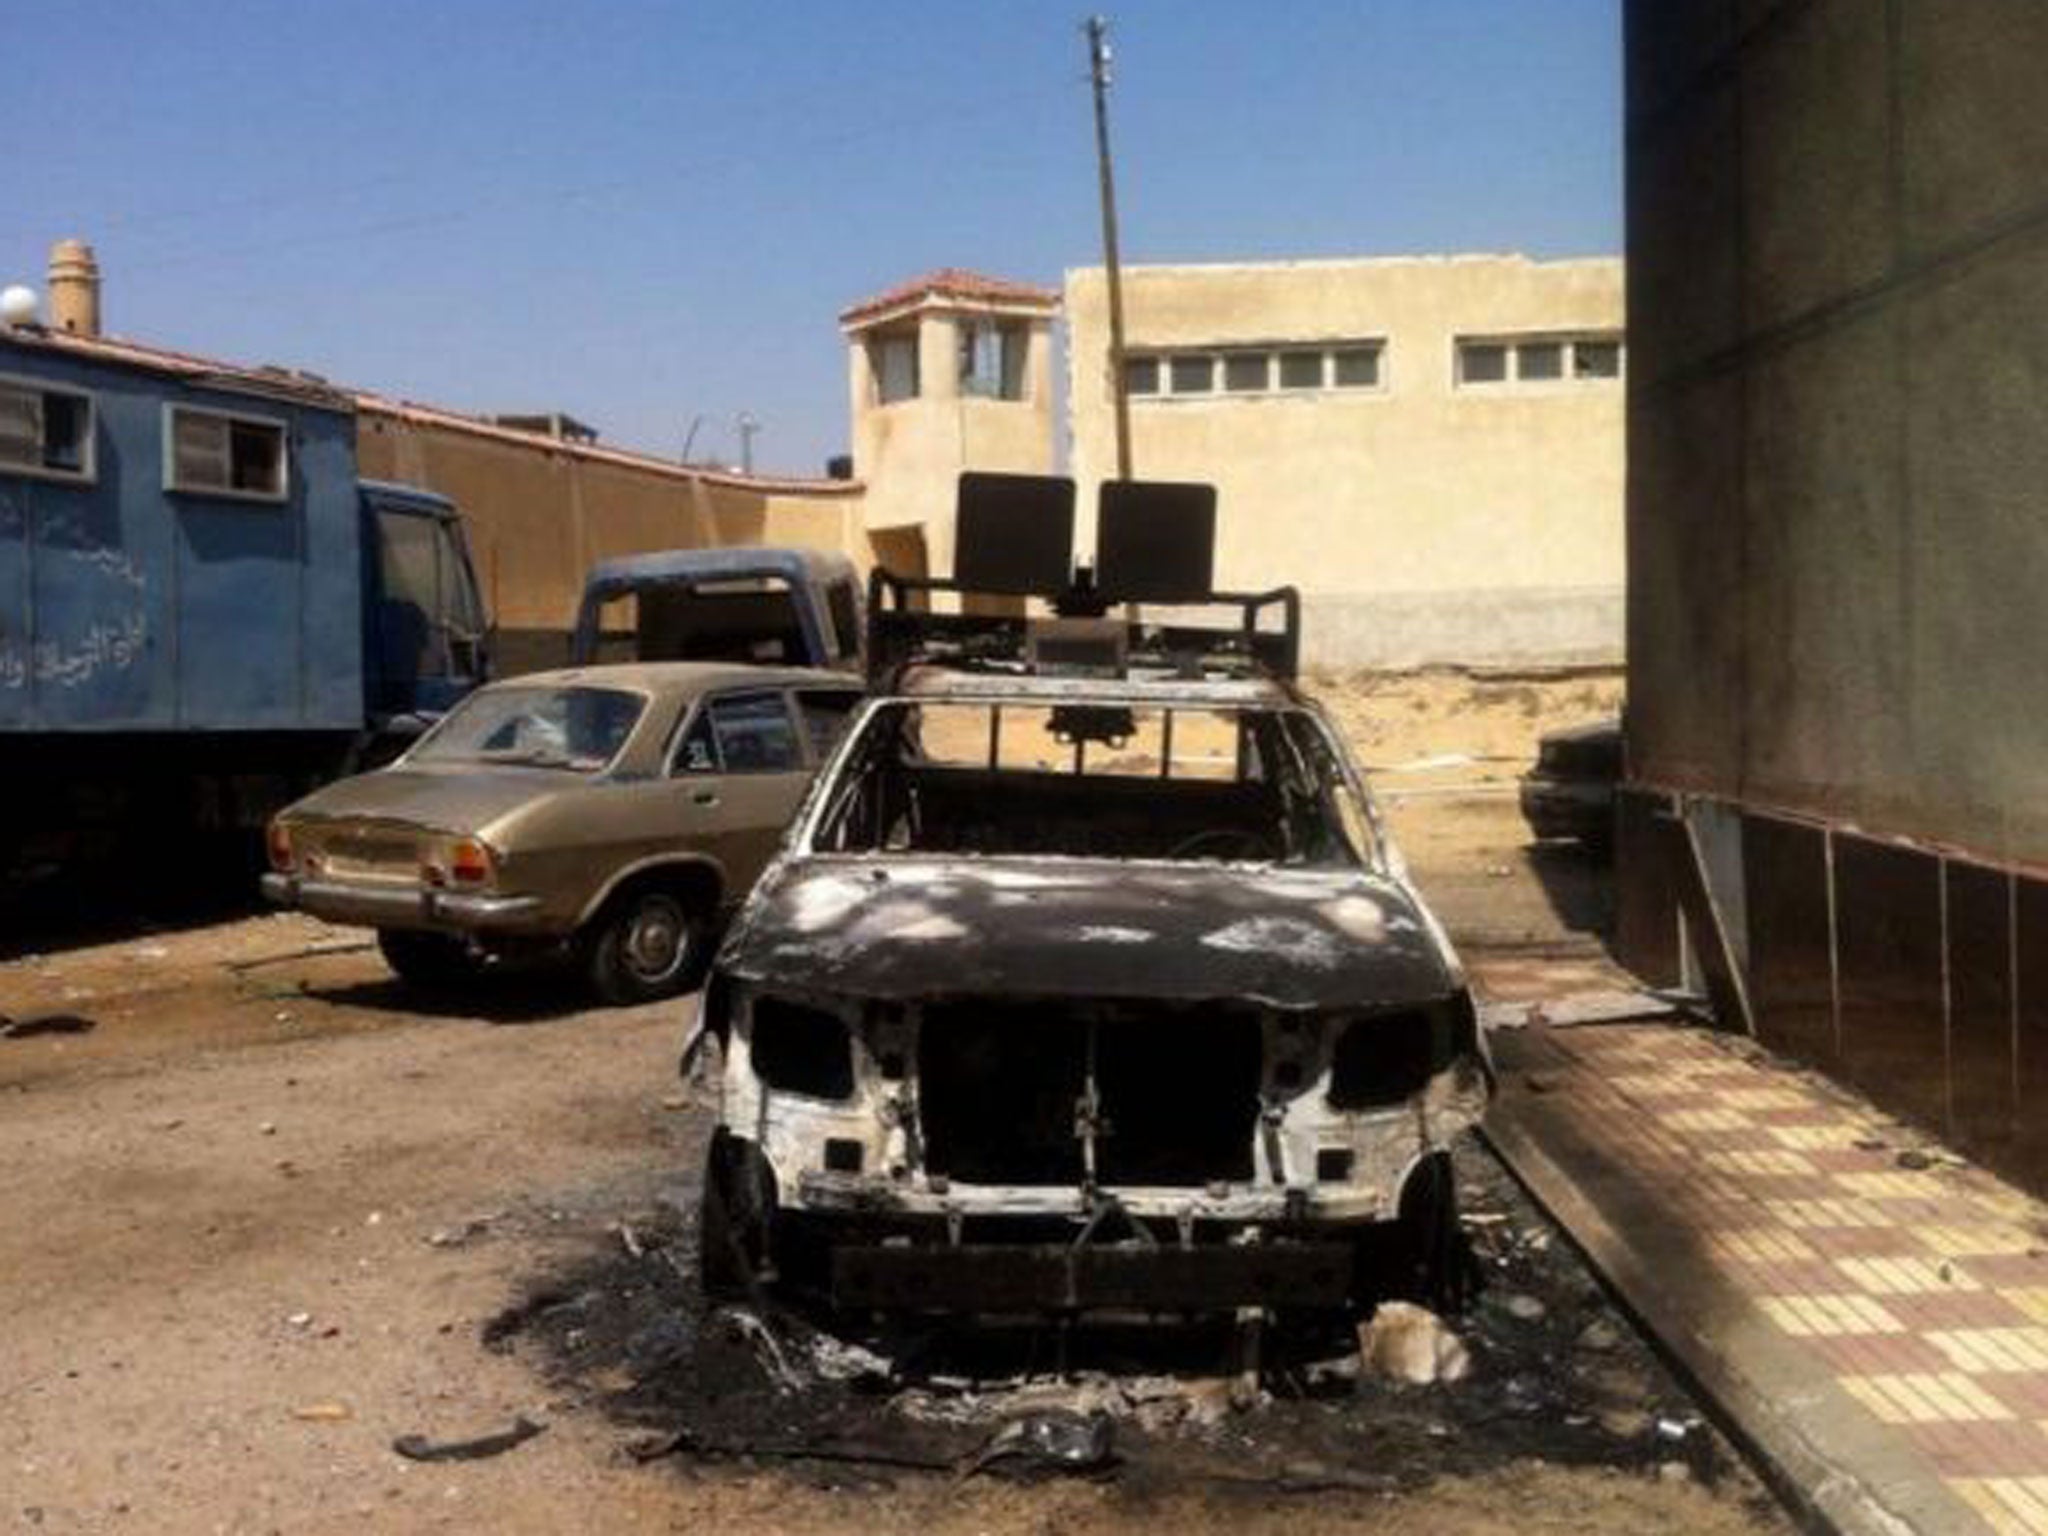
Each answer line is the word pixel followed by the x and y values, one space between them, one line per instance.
pixel 580 729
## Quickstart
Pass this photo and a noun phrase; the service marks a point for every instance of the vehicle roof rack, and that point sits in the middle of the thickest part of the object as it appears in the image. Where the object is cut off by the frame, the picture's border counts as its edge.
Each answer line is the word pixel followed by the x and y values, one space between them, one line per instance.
pixel 904 632
pixel 1014 538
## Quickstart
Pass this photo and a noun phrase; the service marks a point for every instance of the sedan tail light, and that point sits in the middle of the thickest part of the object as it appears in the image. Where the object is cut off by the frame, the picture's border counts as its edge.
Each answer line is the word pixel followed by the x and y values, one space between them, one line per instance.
pixel 469 863
pixel 279 842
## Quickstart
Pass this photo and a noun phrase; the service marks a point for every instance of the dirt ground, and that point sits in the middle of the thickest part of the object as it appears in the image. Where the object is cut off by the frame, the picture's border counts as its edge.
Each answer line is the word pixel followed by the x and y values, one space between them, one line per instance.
pixel 260 1215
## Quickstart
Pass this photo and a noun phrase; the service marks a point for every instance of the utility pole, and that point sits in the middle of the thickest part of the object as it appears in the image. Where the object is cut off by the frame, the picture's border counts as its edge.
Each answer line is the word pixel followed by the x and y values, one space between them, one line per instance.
pixel 748 425
pixel 1098 72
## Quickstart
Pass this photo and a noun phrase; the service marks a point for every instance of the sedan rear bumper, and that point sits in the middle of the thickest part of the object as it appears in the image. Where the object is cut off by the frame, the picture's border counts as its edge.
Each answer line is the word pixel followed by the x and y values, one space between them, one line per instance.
pixel 404 906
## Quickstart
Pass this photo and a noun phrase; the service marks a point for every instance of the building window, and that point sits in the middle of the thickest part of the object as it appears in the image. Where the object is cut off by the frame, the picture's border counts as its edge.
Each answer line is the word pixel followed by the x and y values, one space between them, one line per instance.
pixel 45 432
pixel 1539 360
pixel 1301 370
pixel 992 360
pixel 1247 372
pixel 1356 368
pixel 222 455
pixel 1596 360
pixel 1236 369
pixel 1482 362
pixel 894 361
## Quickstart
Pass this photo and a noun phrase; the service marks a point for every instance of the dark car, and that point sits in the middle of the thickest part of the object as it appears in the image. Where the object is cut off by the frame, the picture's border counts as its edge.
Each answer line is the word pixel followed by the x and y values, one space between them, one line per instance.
pixel 1570 792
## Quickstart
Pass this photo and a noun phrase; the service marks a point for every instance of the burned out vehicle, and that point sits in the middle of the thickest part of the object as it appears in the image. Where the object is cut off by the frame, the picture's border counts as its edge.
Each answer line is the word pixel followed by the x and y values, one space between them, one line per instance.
pixel 616 813
pixel 1087 991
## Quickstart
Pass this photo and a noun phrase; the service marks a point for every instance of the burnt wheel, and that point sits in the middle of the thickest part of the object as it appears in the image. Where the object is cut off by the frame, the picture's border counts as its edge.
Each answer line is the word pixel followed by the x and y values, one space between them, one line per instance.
pixel 425 959
pixel 1422 1255
pixel 648 943
pixel 732 1223
pixel 1441 1269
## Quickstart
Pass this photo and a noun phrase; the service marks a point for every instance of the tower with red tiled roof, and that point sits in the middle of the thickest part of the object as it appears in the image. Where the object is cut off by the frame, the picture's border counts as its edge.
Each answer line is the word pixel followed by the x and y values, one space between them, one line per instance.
pixel 947 372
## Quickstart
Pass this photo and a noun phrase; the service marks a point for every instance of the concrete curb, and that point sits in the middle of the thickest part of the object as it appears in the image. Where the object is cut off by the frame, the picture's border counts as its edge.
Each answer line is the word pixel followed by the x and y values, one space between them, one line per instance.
pixel 1835 1465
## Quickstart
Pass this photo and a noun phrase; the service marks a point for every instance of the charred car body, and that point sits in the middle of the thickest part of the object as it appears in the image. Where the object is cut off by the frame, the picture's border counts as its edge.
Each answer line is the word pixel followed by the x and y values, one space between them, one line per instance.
pixel 1087 991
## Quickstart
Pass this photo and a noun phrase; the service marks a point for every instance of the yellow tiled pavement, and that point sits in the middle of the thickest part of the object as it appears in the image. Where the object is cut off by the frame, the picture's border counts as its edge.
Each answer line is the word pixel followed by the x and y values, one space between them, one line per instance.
pixel 1809 1315
pixel 2009 1504
pixel 1926 1397
pixel 1994 1349
pixel 1913 1281
pixel 1905 1276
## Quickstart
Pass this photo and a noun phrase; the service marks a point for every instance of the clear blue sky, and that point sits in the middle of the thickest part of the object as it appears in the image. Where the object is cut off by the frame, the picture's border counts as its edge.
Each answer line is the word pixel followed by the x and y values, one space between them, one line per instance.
pixel 641 212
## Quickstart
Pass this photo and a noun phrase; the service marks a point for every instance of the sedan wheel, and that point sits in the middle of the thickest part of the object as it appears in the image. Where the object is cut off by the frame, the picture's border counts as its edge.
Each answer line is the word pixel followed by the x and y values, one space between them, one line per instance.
pixel 646 947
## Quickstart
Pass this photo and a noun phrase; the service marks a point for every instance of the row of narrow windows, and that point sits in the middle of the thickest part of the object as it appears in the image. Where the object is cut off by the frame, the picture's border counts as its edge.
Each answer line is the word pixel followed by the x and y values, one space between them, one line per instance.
pixel 1479 363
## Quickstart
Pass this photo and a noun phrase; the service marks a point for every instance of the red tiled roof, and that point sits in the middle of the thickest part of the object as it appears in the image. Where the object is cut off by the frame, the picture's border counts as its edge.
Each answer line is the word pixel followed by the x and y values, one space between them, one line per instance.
pixel 951 283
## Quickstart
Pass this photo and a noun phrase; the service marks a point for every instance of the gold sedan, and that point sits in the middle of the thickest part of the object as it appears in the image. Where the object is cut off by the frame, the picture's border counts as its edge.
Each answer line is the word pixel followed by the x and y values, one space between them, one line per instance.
pixel 621 812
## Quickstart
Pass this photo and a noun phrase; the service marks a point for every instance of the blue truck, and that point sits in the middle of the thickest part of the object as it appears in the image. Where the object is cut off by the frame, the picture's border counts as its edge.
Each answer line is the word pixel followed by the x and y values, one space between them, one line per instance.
pixel 203 610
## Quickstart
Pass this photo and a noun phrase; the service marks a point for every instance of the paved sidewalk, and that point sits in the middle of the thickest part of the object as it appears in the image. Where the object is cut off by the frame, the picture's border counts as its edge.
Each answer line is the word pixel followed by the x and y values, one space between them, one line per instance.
pixel 1871 1312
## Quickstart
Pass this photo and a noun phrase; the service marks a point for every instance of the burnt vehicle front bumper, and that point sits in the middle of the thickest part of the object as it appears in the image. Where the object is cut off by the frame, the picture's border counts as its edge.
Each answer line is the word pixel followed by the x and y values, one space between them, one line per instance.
pixel 867 1245
pixel 1054 1276
pixel 405 906
pixel 1106 1156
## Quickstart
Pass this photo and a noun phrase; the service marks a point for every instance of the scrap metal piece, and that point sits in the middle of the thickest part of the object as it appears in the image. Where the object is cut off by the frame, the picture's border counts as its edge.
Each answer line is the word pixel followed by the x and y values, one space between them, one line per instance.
pixel 751 1327
pixel 420 1448
pixel 45 1024
pixel 1055 1440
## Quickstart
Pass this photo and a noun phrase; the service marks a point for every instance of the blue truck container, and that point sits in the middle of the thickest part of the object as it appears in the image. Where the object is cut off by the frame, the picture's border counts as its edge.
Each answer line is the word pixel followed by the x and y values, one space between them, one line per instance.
pixel 202 608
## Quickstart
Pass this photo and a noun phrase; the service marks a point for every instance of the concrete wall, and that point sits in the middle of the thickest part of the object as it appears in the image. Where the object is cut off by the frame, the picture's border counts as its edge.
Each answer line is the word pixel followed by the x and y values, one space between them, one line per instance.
pixel 539 513
pixel 909 453
pixel 1424 521
pixel 1838 241
pixel 1838 254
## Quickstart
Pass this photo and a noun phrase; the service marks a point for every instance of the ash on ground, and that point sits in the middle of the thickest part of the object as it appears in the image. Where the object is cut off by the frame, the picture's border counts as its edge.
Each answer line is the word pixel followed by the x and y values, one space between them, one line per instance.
pixel 1556 1374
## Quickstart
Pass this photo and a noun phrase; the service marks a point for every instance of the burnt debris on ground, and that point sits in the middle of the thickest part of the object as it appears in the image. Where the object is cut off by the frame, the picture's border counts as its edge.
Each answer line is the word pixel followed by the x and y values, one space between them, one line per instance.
pixel 1554 1373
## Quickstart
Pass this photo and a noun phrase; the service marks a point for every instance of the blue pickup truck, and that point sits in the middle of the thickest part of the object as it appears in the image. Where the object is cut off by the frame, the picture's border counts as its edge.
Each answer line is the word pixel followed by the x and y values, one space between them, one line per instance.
pixel 203 610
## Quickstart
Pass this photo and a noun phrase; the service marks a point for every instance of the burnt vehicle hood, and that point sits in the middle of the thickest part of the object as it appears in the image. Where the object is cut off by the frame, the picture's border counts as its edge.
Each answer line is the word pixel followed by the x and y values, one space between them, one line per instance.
pixel 908 928
pixel 463 798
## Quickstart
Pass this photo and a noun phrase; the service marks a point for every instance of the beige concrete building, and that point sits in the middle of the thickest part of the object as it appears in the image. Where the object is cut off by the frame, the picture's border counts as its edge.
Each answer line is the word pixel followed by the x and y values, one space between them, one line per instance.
pixel 946 372
pixel 1430 448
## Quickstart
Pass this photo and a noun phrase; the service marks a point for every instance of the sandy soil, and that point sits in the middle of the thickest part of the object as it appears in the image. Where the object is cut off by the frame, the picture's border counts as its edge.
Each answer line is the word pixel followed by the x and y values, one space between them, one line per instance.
pixel 221 1298
pixel 1445 726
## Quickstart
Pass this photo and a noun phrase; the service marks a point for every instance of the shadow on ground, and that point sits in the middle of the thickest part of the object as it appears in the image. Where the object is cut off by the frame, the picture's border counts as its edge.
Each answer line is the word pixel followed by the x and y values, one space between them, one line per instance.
pixel 1579 885
pixel 49 911
pixel 528 994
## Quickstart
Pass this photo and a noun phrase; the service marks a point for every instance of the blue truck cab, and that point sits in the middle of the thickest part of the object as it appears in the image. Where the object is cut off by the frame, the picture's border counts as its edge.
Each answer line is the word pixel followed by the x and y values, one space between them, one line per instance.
pixel 772 605
pixel 202 609
pixel 426 639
